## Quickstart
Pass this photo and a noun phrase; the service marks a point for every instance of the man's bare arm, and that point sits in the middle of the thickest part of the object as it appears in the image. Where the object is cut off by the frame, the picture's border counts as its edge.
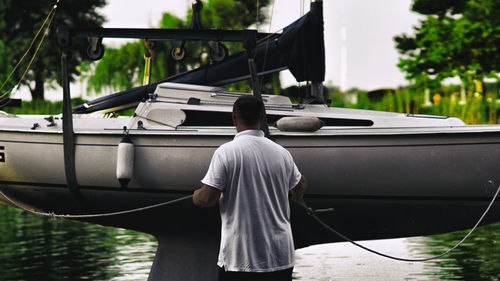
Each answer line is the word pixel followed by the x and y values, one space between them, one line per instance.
pixel 206 196
pixel 299 190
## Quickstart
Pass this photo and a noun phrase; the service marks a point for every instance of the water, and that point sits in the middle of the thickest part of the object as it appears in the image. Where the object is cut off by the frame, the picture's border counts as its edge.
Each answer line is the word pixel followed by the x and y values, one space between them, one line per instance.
pixel 40 248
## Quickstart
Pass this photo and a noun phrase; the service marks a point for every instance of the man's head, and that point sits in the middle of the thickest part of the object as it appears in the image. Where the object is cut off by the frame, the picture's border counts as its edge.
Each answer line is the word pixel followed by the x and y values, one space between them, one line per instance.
pixel 248 112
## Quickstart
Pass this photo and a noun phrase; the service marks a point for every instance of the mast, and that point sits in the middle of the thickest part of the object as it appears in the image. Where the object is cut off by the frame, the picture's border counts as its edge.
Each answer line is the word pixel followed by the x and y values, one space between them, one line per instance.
pixel 316 94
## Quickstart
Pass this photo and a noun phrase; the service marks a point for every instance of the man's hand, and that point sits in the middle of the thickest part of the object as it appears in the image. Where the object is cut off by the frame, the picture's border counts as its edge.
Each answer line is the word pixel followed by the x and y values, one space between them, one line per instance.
pixel 299 190
pixel 206 196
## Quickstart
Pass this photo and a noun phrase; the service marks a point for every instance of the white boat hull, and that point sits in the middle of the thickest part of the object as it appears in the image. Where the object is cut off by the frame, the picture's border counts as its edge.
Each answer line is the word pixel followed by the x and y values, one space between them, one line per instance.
pixel 396 185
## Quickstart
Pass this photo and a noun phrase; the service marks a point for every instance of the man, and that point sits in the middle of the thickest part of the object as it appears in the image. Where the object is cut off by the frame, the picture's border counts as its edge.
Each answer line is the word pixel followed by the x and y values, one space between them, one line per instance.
pixel 251 178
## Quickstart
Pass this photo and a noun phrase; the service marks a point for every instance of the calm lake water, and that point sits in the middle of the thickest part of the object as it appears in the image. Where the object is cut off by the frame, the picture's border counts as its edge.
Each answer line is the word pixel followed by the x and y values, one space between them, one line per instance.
pixel 40 248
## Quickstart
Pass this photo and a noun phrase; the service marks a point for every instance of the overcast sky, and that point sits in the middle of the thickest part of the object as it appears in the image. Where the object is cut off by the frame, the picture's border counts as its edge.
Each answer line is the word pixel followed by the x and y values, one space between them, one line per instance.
pixel 358 34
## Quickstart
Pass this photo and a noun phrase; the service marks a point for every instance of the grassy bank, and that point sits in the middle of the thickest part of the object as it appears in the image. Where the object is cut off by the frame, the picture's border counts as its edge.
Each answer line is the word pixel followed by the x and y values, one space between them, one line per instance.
pixel 472 108
pixel 40 107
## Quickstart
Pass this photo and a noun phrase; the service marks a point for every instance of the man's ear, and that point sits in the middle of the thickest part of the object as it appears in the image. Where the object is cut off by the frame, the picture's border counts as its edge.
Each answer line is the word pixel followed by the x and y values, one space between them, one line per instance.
pixel 261 120
pixel 235 120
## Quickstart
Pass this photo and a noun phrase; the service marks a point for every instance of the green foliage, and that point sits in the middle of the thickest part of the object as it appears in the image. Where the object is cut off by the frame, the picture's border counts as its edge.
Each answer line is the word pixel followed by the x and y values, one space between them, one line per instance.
pixel 473 109
pixel 170 21
pixel 60 249
pixel 230 14
pixel 5 68
pixel 477 259
pixel 41 107
pixel 447 45
pixel 19 22
pixel 123 68
pixel 108 73
pixel 439 8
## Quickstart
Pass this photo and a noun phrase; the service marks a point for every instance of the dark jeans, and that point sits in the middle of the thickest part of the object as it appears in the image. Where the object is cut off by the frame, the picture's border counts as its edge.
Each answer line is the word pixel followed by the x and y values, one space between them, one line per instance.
pixel 281 275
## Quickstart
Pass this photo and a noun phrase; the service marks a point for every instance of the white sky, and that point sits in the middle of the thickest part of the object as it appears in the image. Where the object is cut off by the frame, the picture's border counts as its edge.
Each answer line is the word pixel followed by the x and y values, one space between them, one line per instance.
pixel 370 57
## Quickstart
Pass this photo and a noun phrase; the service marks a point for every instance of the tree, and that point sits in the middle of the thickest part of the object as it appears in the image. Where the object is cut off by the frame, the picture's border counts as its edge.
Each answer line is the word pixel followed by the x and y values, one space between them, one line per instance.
pixel 5 59
pixel 439 8
pixel 458 38
pixel 21 20
pixel 122 68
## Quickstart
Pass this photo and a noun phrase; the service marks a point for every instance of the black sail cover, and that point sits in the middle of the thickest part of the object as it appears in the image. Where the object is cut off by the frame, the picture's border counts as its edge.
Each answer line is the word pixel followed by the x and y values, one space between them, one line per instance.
pixel 299 48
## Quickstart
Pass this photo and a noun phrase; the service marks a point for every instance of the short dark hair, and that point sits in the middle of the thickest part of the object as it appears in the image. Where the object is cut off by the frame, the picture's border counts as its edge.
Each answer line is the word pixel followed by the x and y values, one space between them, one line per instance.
pixel 249 110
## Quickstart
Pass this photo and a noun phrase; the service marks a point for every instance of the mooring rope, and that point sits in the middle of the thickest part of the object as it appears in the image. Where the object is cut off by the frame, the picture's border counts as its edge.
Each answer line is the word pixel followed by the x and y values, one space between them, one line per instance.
pixel 311 212
pixel 54 215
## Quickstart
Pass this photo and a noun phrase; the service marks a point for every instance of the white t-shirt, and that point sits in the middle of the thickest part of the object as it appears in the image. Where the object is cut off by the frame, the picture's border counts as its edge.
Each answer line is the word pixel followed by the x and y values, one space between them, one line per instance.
pixel 255 176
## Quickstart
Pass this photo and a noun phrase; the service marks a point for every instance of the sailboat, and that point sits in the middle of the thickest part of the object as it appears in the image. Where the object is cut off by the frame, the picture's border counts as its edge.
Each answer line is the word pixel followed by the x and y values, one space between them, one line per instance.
pixel 385 174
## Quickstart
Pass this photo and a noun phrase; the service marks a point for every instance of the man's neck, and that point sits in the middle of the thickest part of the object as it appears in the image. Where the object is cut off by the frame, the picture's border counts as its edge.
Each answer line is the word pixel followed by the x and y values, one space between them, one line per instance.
pixel 241 128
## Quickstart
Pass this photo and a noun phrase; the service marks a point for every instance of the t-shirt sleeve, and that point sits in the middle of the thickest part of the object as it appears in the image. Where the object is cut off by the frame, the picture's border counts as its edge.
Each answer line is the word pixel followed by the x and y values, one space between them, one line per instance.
pixel 216 174
pixel 295 174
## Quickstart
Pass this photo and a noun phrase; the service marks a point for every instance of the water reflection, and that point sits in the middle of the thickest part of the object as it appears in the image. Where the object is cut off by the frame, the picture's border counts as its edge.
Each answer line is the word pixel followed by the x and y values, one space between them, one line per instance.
pixel 40 248
pixel 343 261
pixel 477 259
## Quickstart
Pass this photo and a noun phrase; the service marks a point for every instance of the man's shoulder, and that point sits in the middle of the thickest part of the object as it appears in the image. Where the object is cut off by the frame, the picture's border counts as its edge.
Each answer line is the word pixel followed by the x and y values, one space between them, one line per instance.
pixel 226 146
pixel 275 145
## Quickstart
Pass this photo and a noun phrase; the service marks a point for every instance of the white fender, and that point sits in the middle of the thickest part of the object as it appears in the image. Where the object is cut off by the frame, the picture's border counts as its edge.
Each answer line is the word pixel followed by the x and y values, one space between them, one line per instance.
pixel 125 161
pixel 299 124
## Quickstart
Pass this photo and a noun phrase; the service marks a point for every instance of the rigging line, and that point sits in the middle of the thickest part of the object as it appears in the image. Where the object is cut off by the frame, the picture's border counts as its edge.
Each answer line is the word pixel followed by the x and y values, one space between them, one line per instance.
pixel 275 33
pixel 312 213
pixel 50 15
pixel 29 48
pixel 2 97
pixel 4 104
pixel 51 214
pixel 36 52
